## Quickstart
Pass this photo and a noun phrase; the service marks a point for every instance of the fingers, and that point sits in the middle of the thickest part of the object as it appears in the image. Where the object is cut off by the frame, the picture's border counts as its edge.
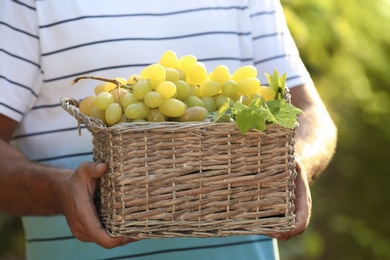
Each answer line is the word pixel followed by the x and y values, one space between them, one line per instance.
pixel 303 201
pixel 97 234
pixel 93 231
pixel 303 205
pixel 79 208
pixel 102 238
pixel 88 228
pixel 99 170
pixel 92 169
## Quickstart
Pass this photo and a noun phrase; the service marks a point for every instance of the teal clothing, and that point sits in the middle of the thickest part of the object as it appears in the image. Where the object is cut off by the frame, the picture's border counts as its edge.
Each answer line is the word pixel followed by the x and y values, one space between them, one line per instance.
pixel 233 247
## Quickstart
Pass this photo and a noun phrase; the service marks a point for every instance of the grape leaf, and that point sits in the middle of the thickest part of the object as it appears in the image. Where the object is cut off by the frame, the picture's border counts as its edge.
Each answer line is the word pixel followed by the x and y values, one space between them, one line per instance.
pixel 224 114
pixel 254 116
pixel 284 113
pixel 282 82
pixel 277 83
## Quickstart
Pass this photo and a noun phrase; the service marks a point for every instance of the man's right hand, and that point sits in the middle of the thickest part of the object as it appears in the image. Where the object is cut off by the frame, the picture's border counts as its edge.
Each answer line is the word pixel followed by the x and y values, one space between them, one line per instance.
pixel 77 197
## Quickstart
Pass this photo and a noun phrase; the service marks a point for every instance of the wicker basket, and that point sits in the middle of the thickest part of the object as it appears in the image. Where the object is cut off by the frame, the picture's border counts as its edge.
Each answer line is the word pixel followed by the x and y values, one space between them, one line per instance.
pixel 198 179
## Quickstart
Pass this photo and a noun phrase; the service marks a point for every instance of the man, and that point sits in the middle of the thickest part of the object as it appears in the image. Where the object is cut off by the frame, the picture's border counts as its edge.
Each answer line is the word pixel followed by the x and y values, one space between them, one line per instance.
pixel 45 167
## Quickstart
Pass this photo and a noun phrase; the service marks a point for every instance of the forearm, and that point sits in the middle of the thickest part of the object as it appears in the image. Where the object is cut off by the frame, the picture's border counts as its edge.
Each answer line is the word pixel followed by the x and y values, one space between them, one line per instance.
pixel 316 135
pixel 28 188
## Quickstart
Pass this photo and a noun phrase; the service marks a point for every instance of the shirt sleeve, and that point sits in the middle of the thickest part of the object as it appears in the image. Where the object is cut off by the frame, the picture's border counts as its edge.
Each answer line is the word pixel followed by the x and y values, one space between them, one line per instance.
pixel 20 69
pixel 274 47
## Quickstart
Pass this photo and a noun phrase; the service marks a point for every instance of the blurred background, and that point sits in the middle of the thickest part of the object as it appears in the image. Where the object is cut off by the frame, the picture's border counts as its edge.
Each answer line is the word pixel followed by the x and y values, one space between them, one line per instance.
pixel 346 47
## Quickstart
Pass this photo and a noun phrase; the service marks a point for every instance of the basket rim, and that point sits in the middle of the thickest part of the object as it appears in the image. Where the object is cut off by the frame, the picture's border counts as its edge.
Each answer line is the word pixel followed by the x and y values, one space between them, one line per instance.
pixel 71 105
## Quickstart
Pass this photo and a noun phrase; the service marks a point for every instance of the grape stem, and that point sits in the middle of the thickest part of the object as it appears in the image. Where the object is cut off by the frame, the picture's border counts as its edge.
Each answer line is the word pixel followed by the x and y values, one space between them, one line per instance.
pixel 97 78
pixel 114 81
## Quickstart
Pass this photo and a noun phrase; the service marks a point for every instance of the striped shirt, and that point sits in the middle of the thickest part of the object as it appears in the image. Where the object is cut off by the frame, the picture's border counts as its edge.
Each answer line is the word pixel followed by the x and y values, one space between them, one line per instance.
pixel 44 44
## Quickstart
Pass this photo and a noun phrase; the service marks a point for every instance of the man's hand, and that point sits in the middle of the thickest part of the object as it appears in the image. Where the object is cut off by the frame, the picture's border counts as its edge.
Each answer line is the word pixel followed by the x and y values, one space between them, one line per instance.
pixel 316 139
pixel 77 202
pixel 303 206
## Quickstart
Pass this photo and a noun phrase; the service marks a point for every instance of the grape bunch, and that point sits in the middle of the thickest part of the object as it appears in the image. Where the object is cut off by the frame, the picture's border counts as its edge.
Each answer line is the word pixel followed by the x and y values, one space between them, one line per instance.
pixel 173 89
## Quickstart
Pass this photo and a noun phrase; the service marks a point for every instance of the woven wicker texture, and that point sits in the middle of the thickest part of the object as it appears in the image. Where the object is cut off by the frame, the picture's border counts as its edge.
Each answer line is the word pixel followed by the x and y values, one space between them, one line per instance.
pixel 198 179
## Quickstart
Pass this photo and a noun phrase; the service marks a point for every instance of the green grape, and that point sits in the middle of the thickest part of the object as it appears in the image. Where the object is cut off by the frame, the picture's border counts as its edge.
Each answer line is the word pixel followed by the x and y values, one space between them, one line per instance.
pixel 87 104
pixel 122 81
pixel 194 89
pixel 182 75
pixel 139 120
pixel 209 103
pixel 248 86
pixel 98 114
pixel 155 73
pixel 133 79
pixel 209 88
pixel 166 88
pixel 244 72
pixel 172 107
pixel 155 116
pixel 118 94
pixel 123 119
pixel 267 92
pixel 109 86
pixel 168 59
pixel 183 90
pixel 245 100
pixel 137 110
pixel 171 74
pixel 141 88
pixel 185 62
pixel 193 114
pixel 254 96
pixel 113 113
pixel 175 95
pixel 103 100
pixel 220 74
pixel 235 97
pixel 153 99
pixel 99 88
pixel 128 99
pixel 197 73
pixel 192 101
pixel 220 100
pixel 229 88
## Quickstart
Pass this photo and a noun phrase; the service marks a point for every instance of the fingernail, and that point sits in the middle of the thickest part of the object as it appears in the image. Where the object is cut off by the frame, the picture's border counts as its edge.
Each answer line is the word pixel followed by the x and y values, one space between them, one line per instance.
pixel 97 166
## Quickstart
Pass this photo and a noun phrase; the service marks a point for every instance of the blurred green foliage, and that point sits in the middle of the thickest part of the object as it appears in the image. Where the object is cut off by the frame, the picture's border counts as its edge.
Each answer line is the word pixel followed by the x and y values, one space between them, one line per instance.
pixel 11 237
pixel 346 47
